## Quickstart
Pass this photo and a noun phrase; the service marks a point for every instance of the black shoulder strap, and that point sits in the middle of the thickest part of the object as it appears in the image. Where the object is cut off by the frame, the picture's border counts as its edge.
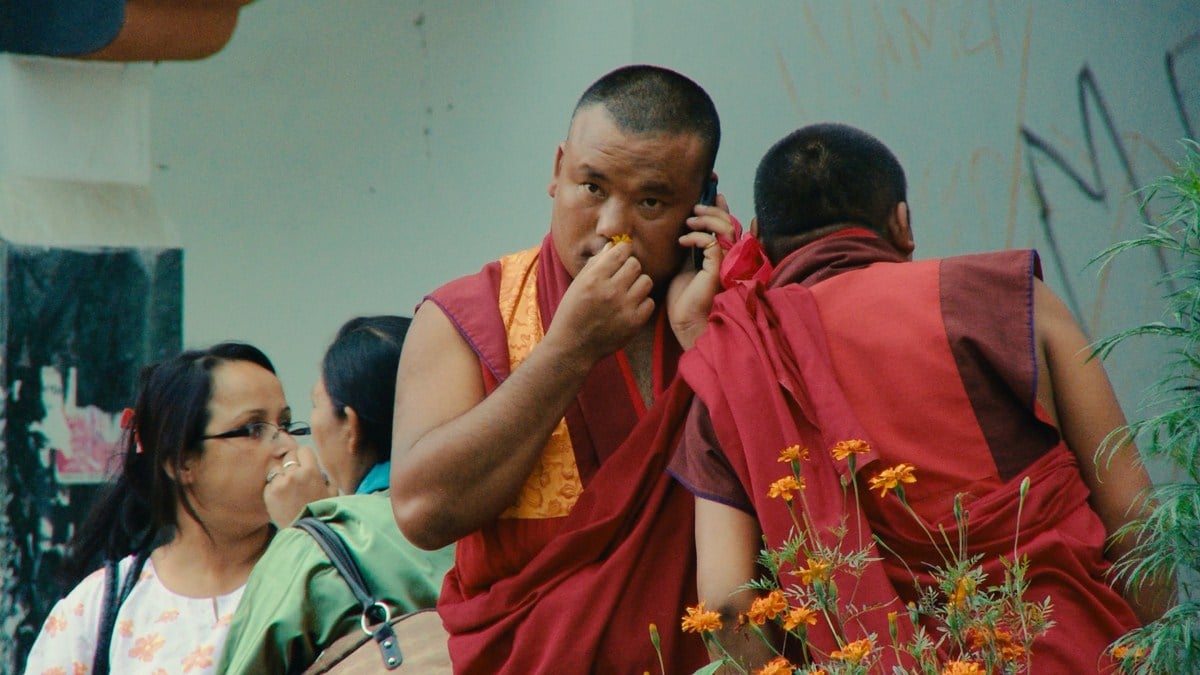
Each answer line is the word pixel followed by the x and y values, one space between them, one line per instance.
pixel 376 617
pixel 114 596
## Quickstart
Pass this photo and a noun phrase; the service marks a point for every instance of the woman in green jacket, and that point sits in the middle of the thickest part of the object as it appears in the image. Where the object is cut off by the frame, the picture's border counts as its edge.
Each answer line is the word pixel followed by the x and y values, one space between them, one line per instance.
pixel 296 603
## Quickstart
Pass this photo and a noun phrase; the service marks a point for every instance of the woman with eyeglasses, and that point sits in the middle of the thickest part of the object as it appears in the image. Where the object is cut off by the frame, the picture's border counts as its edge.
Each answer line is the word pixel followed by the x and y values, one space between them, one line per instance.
pixel 178 530
pixel 296 602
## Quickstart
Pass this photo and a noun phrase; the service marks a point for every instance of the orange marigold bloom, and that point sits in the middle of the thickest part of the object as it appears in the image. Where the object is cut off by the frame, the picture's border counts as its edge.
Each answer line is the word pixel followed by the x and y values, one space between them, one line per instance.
pixel 853 652
pixel 793 453
pixel 778 666
pixel 784 487
pixel 700 620
pixel 963 668
pixel 767 607
pixel 844 449
pixel 964 589
pixel 890 479
pixel 1122 651
pixel 621 238
pixel 1012 652
pixel 817 570
pixel 799 616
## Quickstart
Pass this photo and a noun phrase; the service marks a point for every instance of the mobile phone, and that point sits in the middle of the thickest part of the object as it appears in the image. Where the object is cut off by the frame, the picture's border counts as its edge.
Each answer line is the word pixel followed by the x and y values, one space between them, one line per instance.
pixel 708 197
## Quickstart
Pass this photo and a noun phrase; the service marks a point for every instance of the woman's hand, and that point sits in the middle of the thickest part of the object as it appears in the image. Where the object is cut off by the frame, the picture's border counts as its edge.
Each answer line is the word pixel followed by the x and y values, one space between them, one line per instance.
pixel 290 486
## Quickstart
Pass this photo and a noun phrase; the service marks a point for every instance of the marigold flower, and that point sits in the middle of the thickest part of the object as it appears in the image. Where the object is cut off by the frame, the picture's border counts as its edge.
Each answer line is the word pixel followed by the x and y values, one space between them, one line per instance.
pixel 798 616
pixel 785 487
pixel 817 570
pixel 778 666
pixel 891 478
pixel 700 620
pixel 844 449
pixel 793 453
pixel 621 238
pixel 964 589
pixel 767 607
pixel 963 668
pixel 1012 652
pixel 853 652
pixel 1122 651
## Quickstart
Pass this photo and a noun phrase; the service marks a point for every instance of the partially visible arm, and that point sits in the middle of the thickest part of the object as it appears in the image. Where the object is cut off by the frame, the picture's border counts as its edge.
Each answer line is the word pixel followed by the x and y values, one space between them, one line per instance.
pixel 1077 392
pixel 727 545
pixel 460 458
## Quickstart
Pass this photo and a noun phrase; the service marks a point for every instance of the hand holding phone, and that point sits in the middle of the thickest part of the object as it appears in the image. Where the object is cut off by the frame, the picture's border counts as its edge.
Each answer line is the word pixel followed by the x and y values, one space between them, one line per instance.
pixel 708 197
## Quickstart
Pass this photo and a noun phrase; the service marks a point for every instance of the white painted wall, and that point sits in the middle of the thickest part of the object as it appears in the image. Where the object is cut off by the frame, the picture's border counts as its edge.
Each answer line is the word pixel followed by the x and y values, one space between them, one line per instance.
pixel 339 158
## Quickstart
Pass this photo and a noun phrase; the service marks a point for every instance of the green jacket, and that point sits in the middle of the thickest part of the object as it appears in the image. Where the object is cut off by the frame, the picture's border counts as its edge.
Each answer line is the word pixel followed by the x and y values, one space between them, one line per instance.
pixel 296 602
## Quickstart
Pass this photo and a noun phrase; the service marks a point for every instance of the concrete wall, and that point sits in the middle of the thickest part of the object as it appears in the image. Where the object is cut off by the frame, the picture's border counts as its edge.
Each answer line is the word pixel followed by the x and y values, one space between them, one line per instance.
pixel 341 158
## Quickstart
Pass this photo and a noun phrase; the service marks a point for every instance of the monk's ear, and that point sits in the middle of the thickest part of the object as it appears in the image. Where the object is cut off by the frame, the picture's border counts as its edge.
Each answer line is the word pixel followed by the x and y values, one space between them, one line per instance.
pixel 754 227
pixel 552 189
pixel 900 230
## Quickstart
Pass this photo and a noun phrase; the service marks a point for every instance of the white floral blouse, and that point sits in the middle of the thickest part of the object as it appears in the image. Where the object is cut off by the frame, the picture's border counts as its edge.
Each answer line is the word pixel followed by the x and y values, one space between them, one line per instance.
pixel 157 633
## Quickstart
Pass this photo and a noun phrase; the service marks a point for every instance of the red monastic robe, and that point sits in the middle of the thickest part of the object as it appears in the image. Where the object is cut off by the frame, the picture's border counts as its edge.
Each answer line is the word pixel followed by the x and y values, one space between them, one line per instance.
pixel 934 364
pixel 600 543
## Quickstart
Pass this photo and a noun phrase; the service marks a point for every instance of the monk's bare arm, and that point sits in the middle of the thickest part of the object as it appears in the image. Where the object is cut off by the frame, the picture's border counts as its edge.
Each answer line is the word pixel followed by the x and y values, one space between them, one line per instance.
pixel 727 545
pixel 460 458
pixel 1079 394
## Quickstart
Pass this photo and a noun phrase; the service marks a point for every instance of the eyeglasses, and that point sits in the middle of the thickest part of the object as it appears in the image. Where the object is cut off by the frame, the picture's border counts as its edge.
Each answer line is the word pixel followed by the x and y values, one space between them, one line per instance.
pixel 264 431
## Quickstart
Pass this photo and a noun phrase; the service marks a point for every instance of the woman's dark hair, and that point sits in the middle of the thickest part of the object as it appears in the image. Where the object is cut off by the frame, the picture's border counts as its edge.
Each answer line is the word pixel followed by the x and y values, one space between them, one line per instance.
pixel 359 370
pixel 136 511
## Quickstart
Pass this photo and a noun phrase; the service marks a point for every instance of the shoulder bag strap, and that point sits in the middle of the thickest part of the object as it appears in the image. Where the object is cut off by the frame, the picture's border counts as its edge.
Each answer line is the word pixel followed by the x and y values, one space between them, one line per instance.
pixel 376 617
pixel 114 596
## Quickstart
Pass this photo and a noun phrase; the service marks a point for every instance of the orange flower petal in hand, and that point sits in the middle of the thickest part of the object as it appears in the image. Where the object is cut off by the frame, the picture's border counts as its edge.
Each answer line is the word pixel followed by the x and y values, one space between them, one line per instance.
pixel 621 238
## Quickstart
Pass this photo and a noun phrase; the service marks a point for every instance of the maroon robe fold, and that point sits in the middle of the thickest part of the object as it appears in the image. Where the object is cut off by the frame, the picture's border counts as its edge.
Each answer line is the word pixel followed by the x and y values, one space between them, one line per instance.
pixel 934 378
pixel 577 594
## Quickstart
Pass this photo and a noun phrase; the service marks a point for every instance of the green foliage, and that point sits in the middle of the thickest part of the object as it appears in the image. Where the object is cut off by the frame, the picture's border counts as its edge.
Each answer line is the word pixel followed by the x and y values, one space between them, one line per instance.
pixel 1169 537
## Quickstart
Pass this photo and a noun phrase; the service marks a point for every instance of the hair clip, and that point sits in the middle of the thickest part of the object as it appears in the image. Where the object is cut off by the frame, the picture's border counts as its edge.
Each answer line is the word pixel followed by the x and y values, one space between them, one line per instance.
pixel 127 424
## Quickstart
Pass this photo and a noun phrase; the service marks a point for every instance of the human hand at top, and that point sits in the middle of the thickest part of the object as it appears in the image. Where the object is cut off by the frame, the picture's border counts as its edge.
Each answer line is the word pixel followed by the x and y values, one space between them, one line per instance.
pixel 605 305
pixel 690 295
pixel 290 486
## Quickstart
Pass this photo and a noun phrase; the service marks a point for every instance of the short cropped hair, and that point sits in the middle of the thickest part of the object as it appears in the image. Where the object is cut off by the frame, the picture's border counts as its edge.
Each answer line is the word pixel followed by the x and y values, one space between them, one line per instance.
pixel 645 99
pixel 822 175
